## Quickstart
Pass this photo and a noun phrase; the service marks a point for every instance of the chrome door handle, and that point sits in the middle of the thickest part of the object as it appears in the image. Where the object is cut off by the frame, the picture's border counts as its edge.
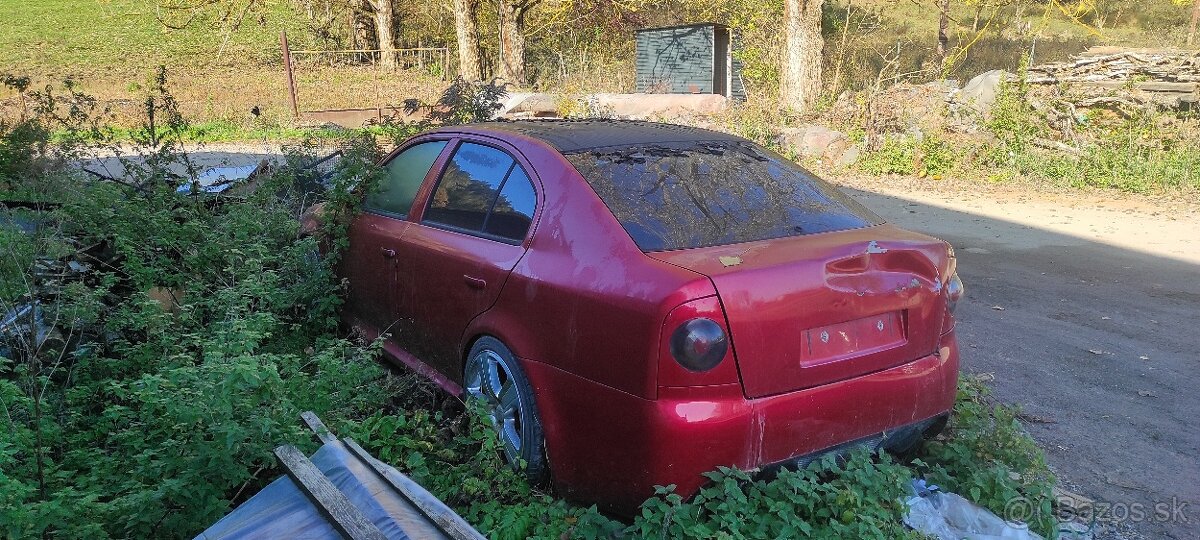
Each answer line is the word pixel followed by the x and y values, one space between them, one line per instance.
pixel 474 282
pixel 389 253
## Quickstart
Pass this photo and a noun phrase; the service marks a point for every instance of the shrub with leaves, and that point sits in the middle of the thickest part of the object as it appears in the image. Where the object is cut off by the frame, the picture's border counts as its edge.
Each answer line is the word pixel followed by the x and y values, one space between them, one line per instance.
pixel 156 429
pixel 861 497
pixel 986 456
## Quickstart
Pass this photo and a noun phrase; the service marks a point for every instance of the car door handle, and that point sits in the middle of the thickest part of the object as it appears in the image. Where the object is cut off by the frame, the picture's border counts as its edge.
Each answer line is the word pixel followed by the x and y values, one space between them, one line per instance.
pixel 474 282
pixel 389 253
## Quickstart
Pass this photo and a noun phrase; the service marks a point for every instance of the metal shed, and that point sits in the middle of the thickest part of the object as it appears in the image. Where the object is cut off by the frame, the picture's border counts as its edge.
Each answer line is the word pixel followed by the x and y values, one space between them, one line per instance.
pixel 689 59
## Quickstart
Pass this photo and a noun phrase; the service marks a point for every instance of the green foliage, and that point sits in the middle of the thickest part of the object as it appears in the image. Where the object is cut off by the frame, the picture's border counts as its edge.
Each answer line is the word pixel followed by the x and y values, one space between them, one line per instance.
pixel 1122 147
pixel 1134 150
pixel 929 156
pixel 458 458
pixel 860 498
pixel 988 458
pixel 155 430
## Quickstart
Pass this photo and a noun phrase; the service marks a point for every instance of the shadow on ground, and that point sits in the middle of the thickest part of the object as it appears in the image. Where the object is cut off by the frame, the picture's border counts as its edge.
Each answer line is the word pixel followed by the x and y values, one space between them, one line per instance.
pixel 1099 347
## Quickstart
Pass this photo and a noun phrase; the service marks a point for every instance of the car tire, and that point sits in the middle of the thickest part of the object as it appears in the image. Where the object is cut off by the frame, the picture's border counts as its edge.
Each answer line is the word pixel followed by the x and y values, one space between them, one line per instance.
pixel 494 376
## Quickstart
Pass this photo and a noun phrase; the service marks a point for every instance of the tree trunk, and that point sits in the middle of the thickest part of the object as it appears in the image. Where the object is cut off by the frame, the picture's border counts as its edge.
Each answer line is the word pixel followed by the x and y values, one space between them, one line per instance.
pixel 943 46
pixel 362 32
pixel 801 75
pixel 466 27
pixel 385 32
pixel 1195 19
pixel 512 41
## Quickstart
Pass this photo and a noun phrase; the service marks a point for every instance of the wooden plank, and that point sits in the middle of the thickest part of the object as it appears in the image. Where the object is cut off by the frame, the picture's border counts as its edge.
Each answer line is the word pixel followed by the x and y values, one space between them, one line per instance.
pixel 450 523
pixel 344 516
pixel 316 425
pixel 1181 88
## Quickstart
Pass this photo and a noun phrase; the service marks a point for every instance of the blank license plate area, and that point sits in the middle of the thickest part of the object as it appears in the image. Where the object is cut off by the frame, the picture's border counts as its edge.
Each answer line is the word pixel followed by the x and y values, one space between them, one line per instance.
pixel 854 338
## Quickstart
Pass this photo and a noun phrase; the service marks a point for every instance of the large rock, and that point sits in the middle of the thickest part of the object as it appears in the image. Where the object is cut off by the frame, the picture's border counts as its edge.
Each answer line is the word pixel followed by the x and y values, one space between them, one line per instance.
pixel 814 141
pixel 980 93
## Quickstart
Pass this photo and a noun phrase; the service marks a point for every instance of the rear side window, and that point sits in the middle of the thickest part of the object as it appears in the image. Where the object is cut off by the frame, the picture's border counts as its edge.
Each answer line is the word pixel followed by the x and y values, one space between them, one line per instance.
pixel 513 211
pixel 405 172
pixel 483 190
pixel 689 195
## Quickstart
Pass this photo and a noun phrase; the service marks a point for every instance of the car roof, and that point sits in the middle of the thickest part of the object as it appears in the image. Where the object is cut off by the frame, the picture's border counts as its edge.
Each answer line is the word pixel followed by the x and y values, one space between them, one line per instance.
pixel 569 136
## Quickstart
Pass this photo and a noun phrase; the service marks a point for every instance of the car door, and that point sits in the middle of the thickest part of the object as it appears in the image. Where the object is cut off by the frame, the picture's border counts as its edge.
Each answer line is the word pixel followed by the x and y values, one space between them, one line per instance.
pixel 470 235
pixel 370 262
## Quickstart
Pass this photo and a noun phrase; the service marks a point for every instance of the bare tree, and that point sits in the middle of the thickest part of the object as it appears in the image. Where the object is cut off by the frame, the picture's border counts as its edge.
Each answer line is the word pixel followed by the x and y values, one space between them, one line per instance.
pixel 512 17
pixel 466 28
pixel 801 74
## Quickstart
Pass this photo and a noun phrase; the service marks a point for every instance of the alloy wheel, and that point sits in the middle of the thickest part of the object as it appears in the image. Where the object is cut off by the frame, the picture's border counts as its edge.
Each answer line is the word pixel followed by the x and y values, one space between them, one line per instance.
pixel 490 379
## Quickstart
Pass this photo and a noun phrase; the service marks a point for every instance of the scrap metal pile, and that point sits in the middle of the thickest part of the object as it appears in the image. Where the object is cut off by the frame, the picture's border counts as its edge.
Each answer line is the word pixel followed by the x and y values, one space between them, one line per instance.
pixel 1166 77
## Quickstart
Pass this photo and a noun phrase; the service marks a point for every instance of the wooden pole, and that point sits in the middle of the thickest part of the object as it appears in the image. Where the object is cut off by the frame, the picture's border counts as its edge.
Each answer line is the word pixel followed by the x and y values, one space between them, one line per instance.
pixel 291 79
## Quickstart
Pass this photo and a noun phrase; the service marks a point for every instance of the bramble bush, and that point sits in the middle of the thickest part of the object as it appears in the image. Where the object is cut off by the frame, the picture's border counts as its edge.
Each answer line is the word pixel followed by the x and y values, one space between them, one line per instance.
pixel 165 419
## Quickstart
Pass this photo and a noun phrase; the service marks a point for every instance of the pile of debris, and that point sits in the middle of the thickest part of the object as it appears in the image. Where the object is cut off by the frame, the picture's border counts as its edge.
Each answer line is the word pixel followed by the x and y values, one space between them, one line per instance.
pixel 1164 76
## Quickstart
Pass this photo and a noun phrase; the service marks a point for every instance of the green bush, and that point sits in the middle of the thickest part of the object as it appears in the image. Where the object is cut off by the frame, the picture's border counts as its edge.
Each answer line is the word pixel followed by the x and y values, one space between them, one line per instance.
pixel 987 457
pixel 1130 150
pixel 860 498
pixel 929 156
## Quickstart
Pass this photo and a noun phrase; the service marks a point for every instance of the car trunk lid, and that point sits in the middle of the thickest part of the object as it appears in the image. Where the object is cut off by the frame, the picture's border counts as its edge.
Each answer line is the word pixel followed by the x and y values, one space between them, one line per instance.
pixel 811 310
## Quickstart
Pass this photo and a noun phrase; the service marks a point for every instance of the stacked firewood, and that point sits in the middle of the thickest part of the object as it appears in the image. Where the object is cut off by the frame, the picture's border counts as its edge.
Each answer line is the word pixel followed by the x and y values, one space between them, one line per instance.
pixel 1167 75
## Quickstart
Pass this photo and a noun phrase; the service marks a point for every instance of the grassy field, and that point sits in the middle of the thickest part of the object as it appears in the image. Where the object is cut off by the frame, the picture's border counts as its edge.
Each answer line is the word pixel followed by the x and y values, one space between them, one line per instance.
pixel 102 37
pixel 111 48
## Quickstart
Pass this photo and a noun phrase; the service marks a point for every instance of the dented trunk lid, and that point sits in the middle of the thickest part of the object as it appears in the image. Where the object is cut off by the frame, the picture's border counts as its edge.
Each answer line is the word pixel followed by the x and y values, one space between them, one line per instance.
pixel 811 310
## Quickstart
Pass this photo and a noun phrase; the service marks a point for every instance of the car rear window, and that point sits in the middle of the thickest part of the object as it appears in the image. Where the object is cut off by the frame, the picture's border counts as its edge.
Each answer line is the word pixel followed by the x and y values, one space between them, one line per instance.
pixel 680 196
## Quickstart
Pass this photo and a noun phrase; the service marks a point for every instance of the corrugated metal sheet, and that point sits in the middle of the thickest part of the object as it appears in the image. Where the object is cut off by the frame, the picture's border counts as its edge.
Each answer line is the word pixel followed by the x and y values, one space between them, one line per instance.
pixel 675 60
pixel 341 492
pixel 685 60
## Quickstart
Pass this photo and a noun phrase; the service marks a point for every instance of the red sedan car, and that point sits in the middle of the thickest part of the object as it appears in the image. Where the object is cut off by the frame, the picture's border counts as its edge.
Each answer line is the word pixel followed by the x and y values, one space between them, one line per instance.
pixel 639 303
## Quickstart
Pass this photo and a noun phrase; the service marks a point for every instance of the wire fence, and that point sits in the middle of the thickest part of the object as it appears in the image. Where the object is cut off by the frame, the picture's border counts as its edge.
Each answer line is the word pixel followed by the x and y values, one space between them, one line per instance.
pixel 363 78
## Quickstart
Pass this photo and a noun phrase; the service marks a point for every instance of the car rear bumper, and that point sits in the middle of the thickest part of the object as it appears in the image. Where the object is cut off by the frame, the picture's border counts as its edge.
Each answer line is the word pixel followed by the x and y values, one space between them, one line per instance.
pixel 611 448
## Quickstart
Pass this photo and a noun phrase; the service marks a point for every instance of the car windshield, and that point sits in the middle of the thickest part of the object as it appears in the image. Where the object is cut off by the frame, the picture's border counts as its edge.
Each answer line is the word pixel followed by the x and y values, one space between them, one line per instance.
pixel 688 195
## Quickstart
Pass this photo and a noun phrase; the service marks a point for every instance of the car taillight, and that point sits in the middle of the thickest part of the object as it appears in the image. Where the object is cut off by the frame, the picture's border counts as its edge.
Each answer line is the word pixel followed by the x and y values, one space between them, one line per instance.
pixel 699 344
pixel 695 347
pixel 954 291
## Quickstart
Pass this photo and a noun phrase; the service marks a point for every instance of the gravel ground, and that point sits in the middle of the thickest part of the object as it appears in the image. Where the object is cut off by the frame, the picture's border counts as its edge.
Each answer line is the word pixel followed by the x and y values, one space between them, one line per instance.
pixel 1083 309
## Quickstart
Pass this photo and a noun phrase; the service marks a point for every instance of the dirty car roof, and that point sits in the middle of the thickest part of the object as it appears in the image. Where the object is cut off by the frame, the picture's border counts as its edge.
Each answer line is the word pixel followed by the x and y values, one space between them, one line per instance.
pixel 577 135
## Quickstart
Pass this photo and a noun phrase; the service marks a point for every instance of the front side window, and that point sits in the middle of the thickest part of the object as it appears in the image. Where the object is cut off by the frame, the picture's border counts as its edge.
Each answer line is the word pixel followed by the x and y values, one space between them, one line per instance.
pixel 483 190
pixel 403 177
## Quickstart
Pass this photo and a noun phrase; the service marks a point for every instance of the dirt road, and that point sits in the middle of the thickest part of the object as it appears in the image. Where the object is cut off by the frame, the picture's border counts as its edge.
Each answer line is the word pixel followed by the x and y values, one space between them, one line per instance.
pixel 1086 310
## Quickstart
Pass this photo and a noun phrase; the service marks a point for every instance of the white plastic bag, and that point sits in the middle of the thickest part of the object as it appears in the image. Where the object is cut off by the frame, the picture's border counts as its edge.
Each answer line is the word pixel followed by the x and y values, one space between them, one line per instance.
pixel 947 516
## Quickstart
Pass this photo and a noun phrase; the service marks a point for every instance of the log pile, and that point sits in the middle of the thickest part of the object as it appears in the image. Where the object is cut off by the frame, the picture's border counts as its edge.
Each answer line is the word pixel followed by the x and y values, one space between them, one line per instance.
pixel 1168 76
